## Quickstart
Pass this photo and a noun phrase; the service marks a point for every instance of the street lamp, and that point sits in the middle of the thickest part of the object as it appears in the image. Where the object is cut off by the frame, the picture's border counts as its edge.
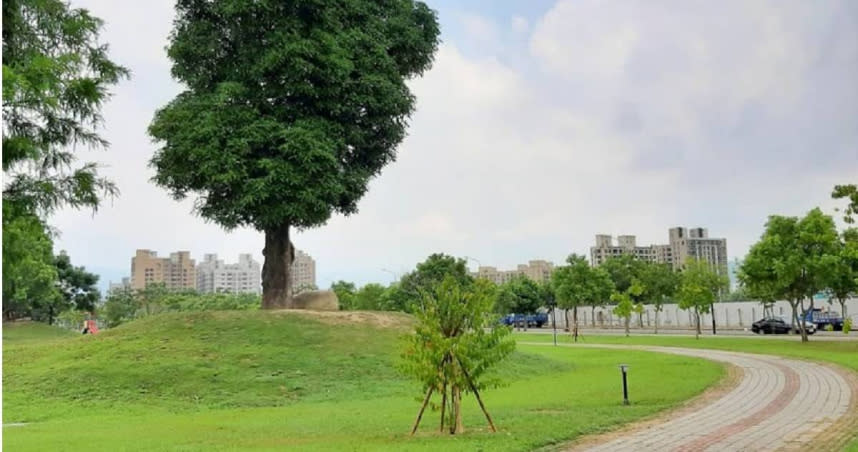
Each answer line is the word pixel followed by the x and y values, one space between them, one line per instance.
pixel 624 367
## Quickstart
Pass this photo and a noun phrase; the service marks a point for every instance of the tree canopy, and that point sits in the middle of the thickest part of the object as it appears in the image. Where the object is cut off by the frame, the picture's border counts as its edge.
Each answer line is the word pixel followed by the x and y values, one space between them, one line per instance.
pixel 290 109
pixel 521 295
pixel 699 287
pixel 56 78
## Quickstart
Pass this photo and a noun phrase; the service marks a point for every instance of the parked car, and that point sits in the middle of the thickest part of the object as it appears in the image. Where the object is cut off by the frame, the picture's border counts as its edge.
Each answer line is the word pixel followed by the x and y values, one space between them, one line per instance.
pixel 779 325
pixel 536 320
pixel 822 319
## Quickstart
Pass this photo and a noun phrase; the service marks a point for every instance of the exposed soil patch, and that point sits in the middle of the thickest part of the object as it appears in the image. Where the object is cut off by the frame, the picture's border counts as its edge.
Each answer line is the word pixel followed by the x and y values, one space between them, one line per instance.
pixel 380 319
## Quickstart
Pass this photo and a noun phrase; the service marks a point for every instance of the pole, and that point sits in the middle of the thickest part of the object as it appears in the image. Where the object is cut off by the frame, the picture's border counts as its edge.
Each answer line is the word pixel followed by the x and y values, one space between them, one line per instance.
pixel 554 323
pixel 623 367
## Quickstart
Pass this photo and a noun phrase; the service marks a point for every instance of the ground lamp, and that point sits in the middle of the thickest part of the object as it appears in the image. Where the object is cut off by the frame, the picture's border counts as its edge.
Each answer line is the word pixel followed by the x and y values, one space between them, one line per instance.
pixel 624 368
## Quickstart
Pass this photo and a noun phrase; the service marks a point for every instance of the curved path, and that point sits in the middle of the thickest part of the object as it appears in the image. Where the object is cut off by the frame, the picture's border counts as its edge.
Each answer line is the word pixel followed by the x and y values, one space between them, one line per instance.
pixel 778 403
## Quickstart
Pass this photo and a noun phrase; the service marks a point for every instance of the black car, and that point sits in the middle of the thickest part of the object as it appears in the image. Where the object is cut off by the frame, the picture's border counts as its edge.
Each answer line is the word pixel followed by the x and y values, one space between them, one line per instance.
pixel 778 325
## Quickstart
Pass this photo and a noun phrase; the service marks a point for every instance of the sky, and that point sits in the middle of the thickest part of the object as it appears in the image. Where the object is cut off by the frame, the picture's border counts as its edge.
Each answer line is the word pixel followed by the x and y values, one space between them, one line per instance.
pixel 541 124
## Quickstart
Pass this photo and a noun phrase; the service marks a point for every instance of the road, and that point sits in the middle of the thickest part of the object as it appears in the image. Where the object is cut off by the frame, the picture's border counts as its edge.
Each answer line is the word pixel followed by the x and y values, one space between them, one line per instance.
pixel 777 403
pixel 819 335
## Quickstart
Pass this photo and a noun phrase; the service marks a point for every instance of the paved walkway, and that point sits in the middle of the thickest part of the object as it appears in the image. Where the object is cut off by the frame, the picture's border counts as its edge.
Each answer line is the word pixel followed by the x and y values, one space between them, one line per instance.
pixel 778 404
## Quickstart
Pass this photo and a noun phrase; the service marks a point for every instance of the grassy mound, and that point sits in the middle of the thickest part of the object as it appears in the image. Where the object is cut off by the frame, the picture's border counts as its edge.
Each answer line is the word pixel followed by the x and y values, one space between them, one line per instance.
pixel 277 380
pixel 215 359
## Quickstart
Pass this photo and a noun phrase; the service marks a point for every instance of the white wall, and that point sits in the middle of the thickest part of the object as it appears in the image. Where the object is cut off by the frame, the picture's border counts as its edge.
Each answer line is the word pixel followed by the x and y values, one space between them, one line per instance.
pixel 735 315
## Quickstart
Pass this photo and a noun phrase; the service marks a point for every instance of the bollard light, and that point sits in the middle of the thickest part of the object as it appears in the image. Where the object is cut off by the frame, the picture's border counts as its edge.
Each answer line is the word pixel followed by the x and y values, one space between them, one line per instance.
pixel 624 368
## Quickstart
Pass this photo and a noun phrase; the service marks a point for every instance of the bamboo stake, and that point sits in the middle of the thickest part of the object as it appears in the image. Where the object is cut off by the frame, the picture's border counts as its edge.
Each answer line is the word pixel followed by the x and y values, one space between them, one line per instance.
pixel 477 394
pixel 422 408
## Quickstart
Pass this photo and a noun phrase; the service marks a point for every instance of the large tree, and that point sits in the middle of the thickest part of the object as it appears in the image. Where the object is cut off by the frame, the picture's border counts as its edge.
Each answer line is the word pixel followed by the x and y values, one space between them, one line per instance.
pixel 290 109
pixel 792 260
pixel 426 278
pixel 56 77
pixel 850 193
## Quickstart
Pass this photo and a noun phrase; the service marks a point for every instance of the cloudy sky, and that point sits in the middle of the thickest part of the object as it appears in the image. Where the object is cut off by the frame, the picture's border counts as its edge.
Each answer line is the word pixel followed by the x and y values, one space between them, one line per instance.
pixel 541 124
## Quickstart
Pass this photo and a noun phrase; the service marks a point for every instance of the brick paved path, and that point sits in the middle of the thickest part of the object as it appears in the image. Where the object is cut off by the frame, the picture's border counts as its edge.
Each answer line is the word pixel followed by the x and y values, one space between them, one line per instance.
pixel 779 403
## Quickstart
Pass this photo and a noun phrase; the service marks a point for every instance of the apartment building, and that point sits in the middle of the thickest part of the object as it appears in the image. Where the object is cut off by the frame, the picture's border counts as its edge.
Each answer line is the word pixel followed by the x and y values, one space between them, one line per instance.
pixel 537 270
pixel 683 244
pixel 303 272
pixel 176 272
pixel 213 275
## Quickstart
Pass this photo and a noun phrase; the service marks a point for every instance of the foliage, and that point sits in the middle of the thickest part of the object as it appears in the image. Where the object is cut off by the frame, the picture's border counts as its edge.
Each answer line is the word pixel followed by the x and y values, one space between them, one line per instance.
pixel 521 295
pixel 843 274
pixel 660 283
pixel 77 286
pixel 578 283
pixel 625 304
pixel 56 76
pixel 370 298
pixel 623 270
pixel 291 108
pixel 427 277
pixel 456 342
pixel 125 304
pixel 29 273
pixel 699 288
pixel 345 294
pixel 847 325
pixel 850 193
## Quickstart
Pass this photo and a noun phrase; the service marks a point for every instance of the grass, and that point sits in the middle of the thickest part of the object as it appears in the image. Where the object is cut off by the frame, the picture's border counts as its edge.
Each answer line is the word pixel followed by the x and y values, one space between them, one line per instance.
pixel 26 331
pixel 844 353
pixel 268 381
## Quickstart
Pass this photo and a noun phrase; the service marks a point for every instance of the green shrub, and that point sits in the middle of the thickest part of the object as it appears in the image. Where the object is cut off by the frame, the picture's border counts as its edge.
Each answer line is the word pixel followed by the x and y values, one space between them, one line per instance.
pixel 829 327
pixel 847 325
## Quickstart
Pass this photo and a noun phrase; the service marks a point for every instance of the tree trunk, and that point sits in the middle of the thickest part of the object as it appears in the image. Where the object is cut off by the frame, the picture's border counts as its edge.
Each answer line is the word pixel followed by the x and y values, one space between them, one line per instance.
pixel 566 315
pixel 277 269
pixel 657 310
pixel 443 405
pixel 575 322
pixel 712 311
pixel 593 315
pixel 627 318
pixel 457 426
pixel 843 308
pixel 797 320
pixel 697 322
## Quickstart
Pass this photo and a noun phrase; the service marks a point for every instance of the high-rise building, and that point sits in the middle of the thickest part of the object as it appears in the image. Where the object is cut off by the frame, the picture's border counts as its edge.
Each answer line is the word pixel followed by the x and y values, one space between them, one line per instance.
pixel 684 243
pixel 537 270
pixel 303 272
pixel 175 272
pixel 125 284
pixel 242 277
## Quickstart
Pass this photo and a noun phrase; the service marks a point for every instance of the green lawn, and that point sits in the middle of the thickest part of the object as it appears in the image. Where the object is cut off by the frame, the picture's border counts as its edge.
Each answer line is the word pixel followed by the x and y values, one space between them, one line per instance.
pixel 268 381
pixel 26 331
pixel 844 353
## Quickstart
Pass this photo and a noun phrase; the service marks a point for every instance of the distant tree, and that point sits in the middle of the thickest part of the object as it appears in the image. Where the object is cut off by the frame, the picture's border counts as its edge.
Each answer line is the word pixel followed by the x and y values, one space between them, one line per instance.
pixel 29 274
pixel 345 294
pixel 660 284
pixel 578 284
pixel 56 78
pixel 850 193
pixel 625 304
pixel 290 109
pixel 623 270
pixel 120 306
pixel 521 295
pixel 698 289
pixel 843 277
pixel 428 276
pixel 77 286
pixel 151 298
pixel 370 298
pixel 456 342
